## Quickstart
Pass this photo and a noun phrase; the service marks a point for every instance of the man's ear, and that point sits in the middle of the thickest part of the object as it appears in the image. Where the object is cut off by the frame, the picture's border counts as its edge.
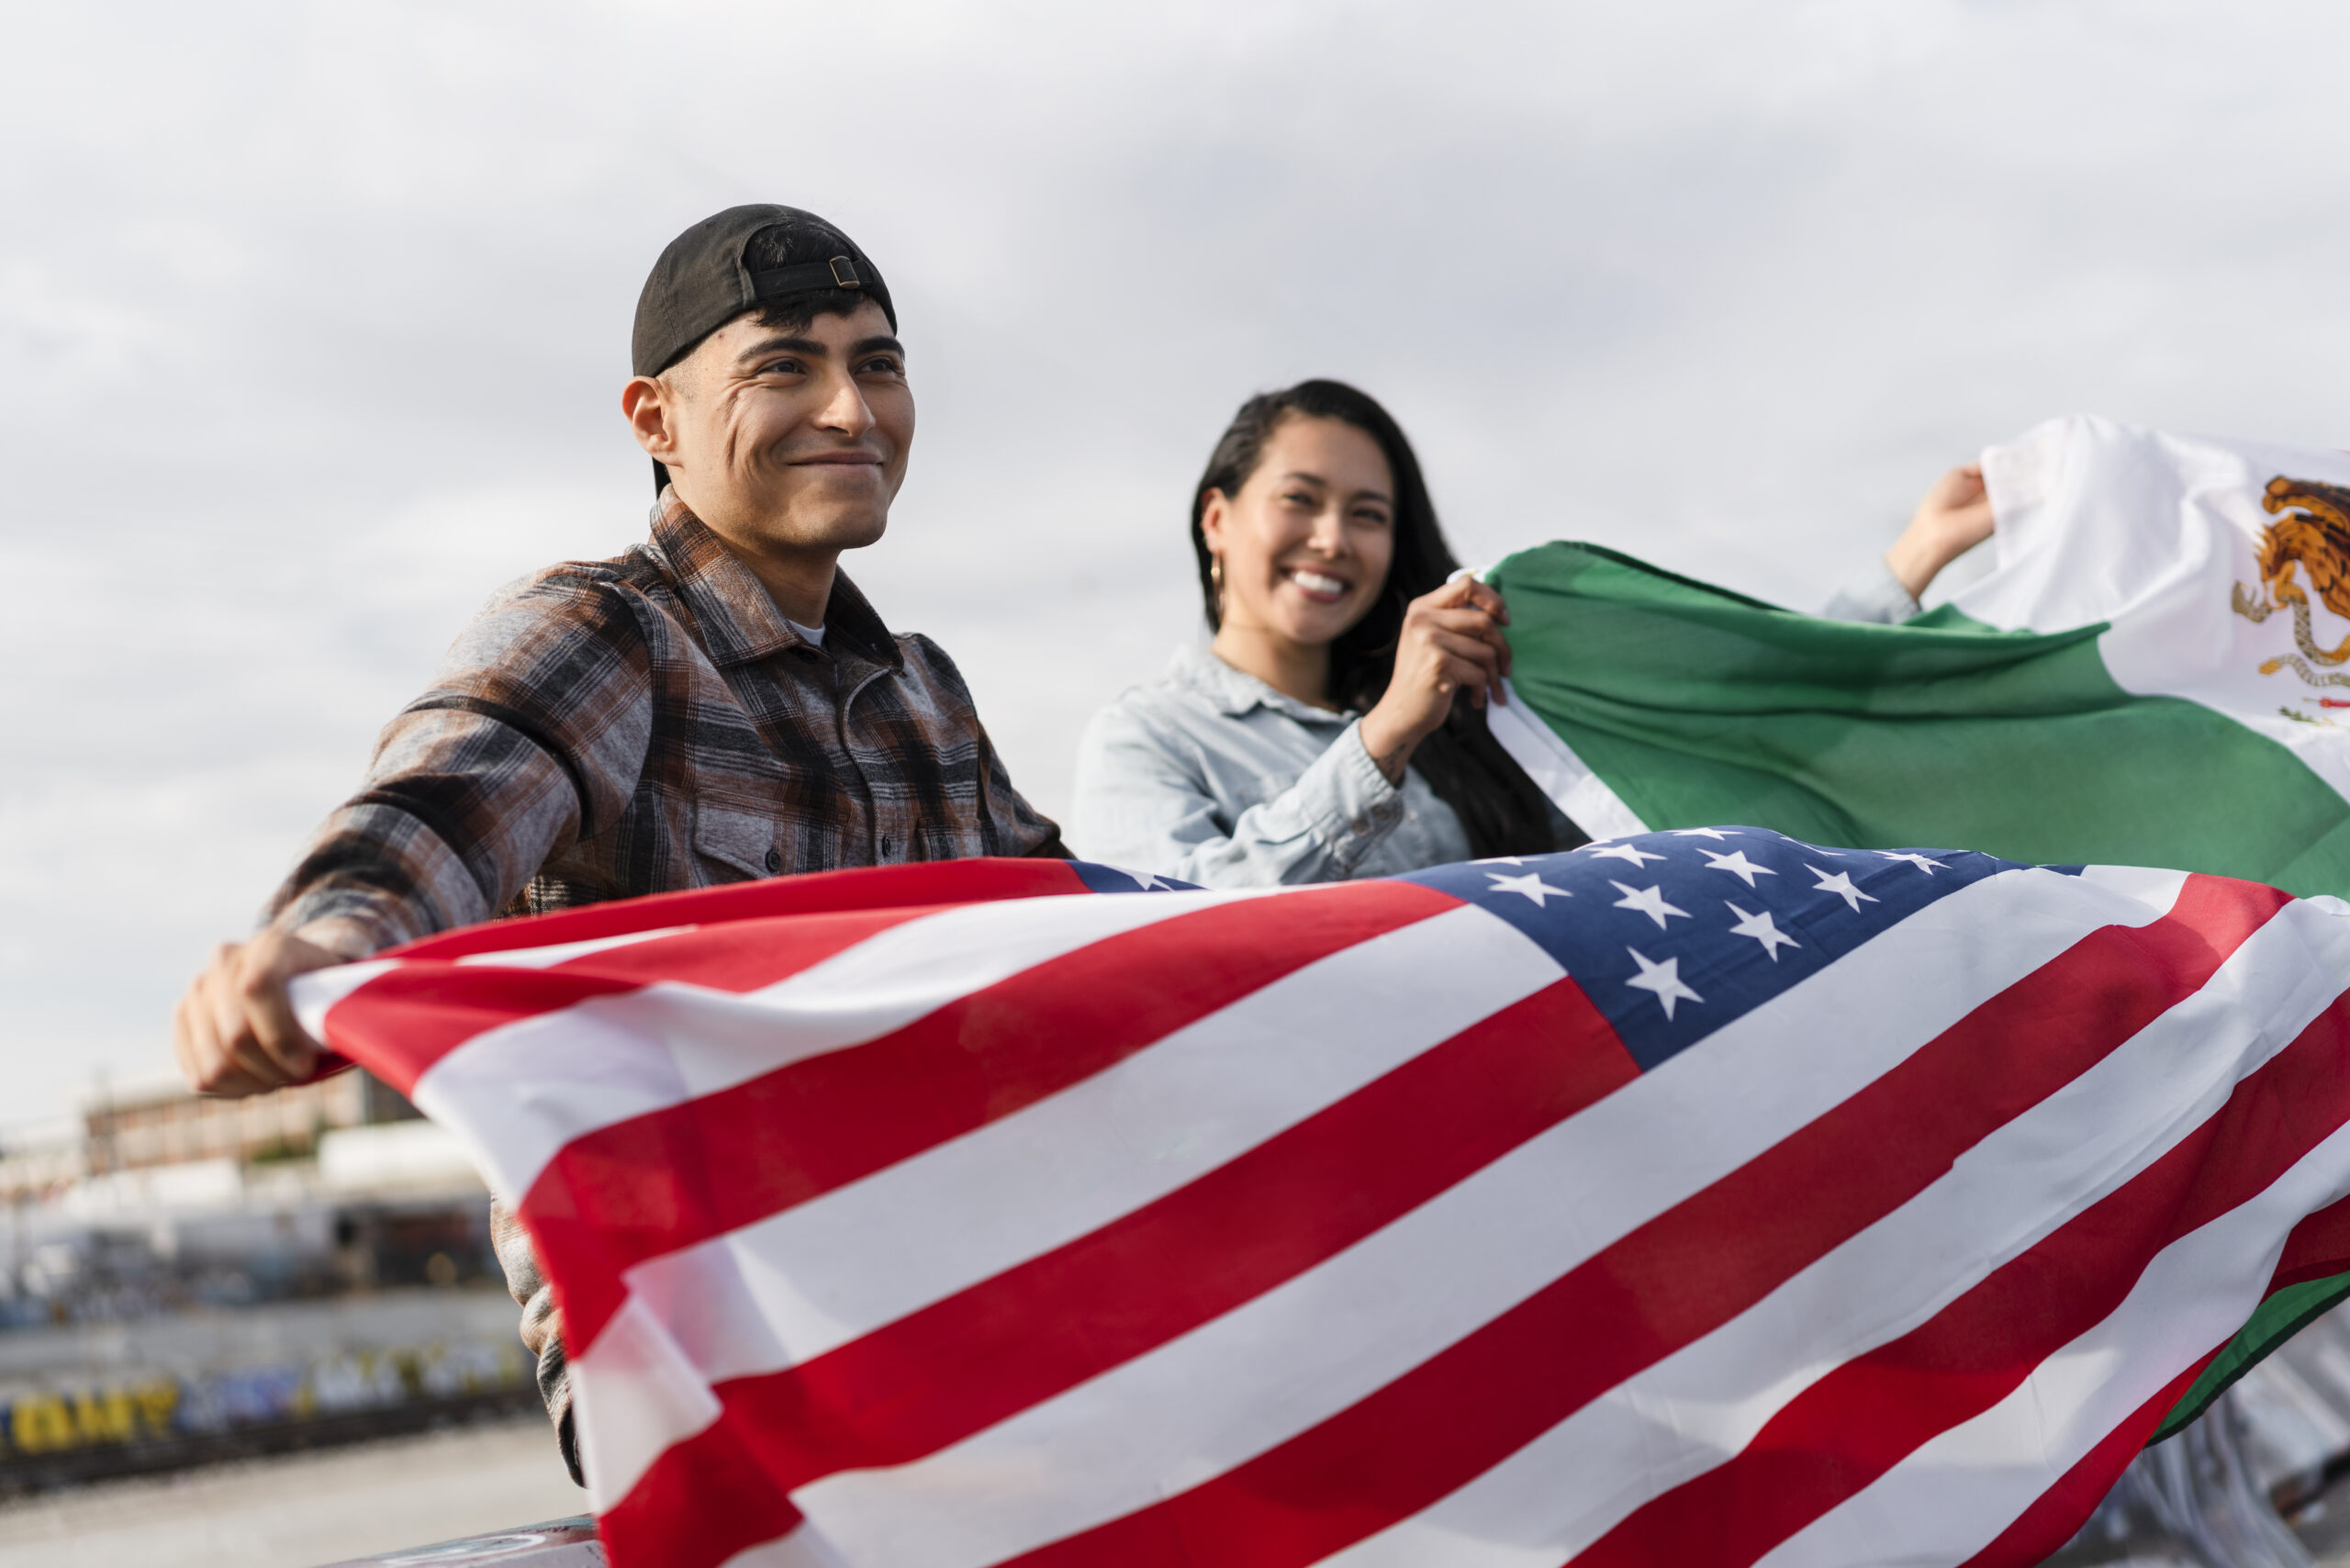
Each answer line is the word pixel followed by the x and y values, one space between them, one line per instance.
pixel 649 403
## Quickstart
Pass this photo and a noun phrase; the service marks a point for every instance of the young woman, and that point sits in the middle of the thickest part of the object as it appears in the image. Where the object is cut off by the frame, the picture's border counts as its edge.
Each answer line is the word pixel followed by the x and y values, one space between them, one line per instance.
pixel 1334 727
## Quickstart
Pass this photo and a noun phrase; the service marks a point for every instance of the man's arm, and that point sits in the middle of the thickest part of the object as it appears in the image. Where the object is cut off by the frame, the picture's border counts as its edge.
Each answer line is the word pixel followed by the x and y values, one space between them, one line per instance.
pixel 1008 824
pixel 534 730
pixel 1018 823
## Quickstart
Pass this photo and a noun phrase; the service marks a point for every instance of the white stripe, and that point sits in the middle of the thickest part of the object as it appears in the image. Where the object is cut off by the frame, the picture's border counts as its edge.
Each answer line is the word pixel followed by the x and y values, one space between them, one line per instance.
pixel 1954 1494
pixel 1294 1356
pixel 1558 772
pixel 818 1275
pixel 1693 1410
pixel 314 994
pixel 553 953
pixel 2151 533
pixel 646 1385
pixel 2157 890
pixel 523 1090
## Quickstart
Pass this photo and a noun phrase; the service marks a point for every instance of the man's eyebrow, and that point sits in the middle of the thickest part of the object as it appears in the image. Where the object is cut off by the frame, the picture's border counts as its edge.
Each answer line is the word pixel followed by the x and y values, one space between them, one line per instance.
pixel 764 346
pixel 876 345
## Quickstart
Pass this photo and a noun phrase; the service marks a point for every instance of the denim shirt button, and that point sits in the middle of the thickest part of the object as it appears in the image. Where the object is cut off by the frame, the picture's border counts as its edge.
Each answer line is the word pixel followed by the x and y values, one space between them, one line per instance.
pixel 1361 827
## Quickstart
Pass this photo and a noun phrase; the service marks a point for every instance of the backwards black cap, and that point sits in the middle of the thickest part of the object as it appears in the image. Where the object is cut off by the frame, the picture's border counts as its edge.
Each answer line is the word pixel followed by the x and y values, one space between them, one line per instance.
pixel 709 275
pixel 714 271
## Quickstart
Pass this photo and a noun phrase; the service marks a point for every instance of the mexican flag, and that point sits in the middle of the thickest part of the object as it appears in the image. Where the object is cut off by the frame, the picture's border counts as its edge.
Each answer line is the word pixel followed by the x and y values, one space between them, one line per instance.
pixel 2155 673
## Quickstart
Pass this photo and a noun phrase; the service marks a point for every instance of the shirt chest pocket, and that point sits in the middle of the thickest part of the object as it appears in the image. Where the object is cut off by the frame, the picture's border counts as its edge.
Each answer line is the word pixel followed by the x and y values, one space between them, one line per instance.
pixel 730 846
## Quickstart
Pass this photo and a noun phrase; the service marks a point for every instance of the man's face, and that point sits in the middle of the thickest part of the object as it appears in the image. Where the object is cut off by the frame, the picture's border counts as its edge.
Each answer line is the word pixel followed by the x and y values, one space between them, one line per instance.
pixel 788 441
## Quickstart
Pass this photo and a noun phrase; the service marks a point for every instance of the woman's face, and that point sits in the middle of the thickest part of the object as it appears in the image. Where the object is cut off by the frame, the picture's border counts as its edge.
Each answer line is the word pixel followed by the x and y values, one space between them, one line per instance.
pixel 1306 544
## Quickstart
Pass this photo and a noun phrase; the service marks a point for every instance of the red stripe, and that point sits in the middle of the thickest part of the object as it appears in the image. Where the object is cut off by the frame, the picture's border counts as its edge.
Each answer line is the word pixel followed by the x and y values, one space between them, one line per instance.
pixel 816 893
pixel 2319 1247
pixel 938 1375
pixel 705 1512
pixel 406 1019
pixel 2057 1514
pixel 1690 1270
pixel 671 1177
pixel 1846 1430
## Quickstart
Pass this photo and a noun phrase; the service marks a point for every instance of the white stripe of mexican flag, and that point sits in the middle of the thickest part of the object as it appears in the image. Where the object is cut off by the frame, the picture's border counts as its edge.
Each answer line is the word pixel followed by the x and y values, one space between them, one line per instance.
pixel 2159 536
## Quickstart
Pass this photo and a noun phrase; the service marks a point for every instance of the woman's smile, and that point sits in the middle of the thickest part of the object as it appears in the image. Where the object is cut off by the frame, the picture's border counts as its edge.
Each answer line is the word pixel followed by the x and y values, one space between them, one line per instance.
pixel 1317 586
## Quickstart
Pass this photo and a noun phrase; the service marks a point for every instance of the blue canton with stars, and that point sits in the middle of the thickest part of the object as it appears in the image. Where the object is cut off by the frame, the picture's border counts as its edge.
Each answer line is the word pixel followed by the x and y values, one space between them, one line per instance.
pixel 1103 879
pixel 1673 934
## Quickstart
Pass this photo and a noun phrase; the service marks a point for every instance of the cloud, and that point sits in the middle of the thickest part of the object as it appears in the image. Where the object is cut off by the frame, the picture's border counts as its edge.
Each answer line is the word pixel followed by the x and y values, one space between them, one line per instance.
pixel 316 315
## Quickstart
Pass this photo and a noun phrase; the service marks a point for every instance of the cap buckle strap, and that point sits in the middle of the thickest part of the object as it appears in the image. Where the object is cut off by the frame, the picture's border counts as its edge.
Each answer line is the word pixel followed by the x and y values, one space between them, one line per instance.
pixel 783 281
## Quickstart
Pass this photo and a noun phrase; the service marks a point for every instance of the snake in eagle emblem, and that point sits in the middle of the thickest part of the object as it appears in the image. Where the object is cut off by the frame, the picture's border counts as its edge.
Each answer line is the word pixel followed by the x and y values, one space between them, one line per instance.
pixel 2311 534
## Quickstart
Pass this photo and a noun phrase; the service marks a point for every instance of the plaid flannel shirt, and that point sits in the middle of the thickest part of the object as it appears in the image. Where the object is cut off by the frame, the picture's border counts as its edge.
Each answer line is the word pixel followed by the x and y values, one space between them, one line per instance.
pixel 637 725
pixel 606 729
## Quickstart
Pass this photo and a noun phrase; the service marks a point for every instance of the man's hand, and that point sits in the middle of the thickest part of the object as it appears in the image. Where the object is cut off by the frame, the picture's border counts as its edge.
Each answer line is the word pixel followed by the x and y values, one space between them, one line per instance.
pixel 1955 518
pixel 235 1030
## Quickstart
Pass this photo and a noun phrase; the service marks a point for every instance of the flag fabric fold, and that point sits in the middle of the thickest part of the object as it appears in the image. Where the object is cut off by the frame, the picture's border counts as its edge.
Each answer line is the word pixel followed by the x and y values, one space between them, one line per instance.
pixel 1700 1195
pixel 2155 672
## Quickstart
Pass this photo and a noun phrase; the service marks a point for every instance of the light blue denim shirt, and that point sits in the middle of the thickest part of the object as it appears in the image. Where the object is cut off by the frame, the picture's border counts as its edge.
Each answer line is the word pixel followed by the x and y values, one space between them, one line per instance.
pixel 1874 594
pixel 1210 776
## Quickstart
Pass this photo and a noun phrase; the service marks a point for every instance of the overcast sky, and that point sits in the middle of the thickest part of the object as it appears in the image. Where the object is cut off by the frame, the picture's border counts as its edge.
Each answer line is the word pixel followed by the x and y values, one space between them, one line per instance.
pixel 314 319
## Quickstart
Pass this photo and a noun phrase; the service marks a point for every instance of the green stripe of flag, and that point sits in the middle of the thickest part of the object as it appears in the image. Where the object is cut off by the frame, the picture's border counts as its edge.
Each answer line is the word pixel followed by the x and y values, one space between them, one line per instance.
pixel 1698 706
pixel 2277 1319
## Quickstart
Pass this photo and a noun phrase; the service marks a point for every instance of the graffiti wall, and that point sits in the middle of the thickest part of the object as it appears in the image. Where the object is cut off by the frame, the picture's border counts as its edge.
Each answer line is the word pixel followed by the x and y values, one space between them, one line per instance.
pixel 62 1419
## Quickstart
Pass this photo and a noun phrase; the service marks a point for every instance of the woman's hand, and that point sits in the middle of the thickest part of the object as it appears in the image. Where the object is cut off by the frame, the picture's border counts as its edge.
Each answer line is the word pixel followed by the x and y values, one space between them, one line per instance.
pixel 1955 518
pixel 1451 642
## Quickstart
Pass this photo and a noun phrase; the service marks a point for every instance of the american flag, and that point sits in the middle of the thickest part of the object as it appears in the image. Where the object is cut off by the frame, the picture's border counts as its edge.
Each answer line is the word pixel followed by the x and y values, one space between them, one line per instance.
pixel 1692 1198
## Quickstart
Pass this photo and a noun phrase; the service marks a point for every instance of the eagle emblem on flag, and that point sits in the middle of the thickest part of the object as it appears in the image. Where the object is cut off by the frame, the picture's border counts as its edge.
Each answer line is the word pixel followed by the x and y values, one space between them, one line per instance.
pixel 2311 534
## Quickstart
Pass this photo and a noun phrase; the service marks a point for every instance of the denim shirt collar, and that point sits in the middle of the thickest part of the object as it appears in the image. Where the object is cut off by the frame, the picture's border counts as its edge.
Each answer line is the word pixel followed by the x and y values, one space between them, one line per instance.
pixel 1234 692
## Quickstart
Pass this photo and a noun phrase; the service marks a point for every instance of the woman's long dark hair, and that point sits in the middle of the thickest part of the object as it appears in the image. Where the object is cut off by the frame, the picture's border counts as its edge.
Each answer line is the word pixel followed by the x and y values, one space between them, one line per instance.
pixel 1501 808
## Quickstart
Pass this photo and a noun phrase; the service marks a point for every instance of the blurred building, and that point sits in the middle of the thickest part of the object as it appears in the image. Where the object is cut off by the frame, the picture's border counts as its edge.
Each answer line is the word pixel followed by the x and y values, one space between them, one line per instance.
pixel 155 1199
pixel 163 1124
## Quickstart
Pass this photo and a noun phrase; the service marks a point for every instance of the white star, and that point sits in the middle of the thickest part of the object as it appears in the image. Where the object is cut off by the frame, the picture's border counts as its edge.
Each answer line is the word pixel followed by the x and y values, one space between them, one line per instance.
pixel 1631 852
pixel 1498 861
pixel 1144 880
pixel 1760 927
pixel 1648 901
pixel 1737 865
pixel 1712 832
pixel 1919 862
pixel 1531 885
pixel 1663 980
pixel 1841 884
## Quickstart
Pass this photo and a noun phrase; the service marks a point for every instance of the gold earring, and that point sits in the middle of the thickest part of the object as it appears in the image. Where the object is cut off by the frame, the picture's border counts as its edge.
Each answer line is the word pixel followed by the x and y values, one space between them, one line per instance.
pixel 1215 572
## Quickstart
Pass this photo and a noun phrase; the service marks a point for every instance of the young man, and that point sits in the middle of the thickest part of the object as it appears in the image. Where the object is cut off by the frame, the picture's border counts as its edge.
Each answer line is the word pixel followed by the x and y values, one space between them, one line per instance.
pixel 717 704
